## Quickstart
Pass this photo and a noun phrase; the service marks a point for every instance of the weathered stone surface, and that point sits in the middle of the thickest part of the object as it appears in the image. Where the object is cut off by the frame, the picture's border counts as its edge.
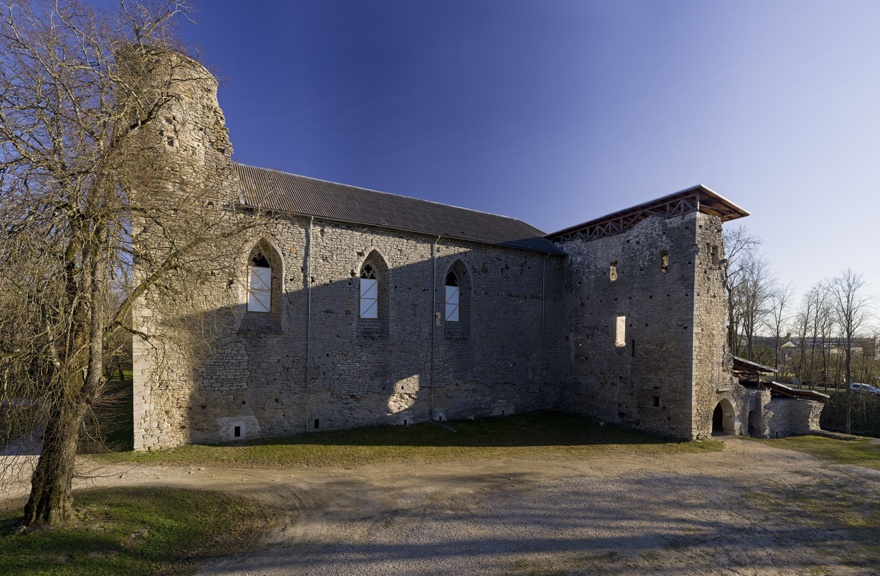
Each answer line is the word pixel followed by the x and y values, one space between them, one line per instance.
pixel 787 416
pixel 417 369
pixel 650 276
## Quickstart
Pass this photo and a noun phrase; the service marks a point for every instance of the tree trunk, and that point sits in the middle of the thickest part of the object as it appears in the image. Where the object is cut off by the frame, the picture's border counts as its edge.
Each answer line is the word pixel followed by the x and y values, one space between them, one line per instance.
pixel 848 382
pixel 731 328
pixel 51 499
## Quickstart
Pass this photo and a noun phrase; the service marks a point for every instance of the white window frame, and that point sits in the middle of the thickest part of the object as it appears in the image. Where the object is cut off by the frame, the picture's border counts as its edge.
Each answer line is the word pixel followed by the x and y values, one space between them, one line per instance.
pixel 369 298
pixel 452 303
pixel 259 289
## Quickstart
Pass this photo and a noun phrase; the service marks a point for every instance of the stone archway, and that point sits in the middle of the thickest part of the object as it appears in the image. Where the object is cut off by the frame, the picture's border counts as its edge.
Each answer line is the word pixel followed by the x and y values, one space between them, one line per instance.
pixel 723 418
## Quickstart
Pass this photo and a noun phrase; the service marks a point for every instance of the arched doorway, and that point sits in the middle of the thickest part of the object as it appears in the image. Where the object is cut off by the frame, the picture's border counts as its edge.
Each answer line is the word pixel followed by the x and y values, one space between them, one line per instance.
pixel 718 420
pixel 722 418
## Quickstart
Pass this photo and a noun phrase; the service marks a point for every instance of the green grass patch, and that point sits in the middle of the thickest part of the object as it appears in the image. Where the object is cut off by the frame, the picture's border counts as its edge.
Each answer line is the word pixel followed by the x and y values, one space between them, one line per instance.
pixel 538 436
pixel 136 531
pixel 857 451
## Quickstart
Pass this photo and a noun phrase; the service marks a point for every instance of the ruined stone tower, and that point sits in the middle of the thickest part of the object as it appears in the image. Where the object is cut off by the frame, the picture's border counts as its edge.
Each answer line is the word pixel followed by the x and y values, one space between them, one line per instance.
pixel 181 137
pixel 183 192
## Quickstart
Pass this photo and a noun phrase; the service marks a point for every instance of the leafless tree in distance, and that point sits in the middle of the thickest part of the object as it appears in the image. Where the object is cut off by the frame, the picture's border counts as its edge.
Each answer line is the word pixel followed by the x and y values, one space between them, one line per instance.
pixel 851 304
pixel 778 317
pixel 739 247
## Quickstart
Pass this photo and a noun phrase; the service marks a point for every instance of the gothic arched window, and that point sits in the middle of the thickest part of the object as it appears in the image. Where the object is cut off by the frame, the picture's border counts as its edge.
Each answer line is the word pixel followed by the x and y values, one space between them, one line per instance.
pixel 457 302
pixel 259 284
pixel 264 301
pixel 373 300
pixel 369 293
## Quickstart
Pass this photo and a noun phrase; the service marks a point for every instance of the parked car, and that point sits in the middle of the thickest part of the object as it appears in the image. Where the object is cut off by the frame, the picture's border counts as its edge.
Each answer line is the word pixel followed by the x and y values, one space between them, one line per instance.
pixel 864 388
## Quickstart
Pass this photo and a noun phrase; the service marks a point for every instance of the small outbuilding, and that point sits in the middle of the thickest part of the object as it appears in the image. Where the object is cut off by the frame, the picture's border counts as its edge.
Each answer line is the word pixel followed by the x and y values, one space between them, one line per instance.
pixel 776 410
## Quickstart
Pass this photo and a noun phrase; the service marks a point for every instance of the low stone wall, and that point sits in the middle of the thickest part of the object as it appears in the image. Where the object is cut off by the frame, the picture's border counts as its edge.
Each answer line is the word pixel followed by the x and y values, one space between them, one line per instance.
pixel 787 416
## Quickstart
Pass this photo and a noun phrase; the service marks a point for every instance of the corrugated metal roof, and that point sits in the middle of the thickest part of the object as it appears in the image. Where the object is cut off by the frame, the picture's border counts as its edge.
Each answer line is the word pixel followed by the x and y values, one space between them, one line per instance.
pixel 276 191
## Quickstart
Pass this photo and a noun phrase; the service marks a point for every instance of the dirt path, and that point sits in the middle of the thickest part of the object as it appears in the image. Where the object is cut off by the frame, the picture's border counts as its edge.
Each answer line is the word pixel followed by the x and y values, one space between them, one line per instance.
pixel 751 509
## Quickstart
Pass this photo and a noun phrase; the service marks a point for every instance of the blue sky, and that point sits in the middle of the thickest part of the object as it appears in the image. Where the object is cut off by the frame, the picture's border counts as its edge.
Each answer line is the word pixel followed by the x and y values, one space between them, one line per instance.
pixel 557 112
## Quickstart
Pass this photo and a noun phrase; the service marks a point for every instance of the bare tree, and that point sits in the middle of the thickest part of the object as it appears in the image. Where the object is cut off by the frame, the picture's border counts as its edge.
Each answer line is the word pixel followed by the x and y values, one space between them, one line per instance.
pixel 851 305
pixel 815 329
pixel 779 301
pixel 739 247
pixel 755 288
pixel 823 329
pixel 803 322
pixel 83 180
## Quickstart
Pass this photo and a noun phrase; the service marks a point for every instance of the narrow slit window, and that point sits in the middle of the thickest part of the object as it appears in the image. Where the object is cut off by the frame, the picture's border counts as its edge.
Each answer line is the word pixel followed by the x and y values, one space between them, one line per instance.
pixel 620 332
pixel 369 293
pixel 612 271
pixel 452 298
pixel 664 260
pixel 259 285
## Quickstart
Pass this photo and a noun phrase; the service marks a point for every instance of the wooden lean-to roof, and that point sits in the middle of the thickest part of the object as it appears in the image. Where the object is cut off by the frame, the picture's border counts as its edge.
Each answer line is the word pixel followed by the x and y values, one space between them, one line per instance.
pixel 274 191
pixel 749 374
pixel 743 366
pixel 696 199
pixel 783 390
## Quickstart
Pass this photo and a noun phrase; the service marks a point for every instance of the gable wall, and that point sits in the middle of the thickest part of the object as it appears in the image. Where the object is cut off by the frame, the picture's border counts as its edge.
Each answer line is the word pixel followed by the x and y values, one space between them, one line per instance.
pixel 648 383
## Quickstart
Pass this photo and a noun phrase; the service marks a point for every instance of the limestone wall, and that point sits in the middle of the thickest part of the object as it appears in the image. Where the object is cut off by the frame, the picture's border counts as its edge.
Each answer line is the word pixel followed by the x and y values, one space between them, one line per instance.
pixel 645 275
pixel 805 416
pixel 712 379
pixel 787 416
pixel 256 380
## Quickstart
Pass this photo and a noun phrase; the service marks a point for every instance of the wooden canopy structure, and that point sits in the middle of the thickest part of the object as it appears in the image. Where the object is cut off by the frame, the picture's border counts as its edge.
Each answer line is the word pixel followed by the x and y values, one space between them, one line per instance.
pixel 695 199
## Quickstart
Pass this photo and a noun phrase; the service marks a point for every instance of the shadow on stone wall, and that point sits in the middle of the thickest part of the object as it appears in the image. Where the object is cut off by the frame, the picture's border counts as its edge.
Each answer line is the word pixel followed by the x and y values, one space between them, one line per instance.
pixel 323 367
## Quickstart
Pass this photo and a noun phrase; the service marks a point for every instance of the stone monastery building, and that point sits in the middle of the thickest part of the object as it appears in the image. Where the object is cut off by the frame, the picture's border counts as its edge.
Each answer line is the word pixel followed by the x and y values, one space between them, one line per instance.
pixel 357 307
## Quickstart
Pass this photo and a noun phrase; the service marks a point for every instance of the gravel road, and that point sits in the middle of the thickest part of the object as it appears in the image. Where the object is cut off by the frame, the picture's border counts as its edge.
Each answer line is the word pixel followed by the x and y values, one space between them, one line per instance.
pixel 750 509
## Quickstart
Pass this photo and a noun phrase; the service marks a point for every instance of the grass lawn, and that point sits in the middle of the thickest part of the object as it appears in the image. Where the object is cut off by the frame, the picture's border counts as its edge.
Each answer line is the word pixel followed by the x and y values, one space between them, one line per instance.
pixel 538 435
pixel 135 531
pixel 856 451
